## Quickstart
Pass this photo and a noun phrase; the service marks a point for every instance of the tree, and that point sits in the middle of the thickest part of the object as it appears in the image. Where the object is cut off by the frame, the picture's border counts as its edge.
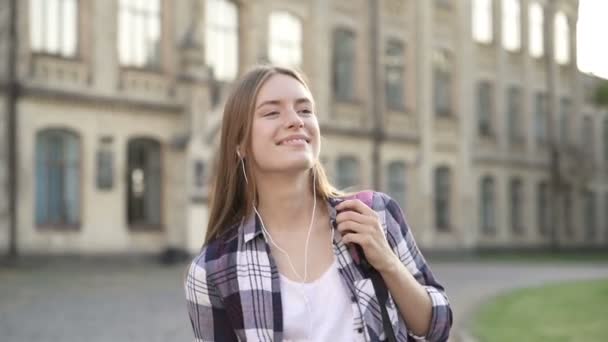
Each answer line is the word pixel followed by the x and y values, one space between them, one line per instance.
pixel 600 97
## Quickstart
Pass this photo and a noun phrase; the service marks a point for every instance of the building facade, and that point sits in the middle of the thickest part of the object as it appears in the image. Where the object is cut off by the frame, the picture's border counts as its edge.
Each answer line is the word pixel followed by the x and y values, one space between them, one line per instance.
pixel 445 105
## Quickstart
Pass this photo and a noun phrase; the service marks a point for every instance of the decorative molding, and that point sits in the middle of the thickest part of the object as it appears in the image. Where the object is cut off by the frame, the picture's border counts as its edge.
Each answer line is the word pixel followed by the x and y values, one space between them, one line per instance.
pixel 102 101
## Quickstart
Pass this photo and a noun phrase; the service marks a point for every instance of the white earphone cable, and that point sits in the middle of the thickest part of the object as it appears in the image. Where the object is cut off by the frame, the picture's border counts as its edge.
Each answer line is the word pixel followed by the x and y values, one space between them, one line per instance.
pixel 267 234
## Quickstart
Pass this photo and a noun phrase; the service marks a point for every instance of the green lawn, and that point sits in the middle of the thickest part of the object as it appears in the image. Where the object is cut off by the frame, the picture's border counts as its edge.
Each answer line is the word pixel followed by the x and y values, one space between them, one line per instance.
pixel 569 312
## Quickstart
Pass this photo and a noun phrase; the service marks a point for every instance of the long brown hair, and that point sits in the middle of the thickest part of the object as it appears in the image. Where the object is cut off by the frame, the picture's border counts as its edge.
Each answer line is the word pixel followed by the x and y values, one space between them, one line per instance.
pixel 231 197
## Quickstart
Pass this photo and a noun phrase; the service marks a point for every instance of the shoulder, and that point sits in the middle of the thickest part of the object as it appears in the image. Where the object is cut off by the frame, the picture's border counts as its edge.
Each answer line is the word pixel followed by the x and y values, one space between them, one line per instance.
pixel 216 255
pixel 382 201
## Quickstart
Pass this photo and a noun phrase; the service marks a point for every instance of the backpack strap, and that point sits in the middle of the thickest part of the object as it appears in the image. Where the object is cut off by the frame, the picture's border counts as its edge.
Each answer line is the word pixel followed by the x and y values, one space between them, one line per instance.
pixel 369 271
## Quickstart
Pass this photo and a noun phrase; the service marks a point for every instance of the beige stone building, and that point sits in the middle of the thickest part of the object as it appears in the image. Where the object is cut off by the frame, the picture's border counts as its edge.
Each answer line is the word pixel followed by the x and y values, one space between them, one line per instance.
pixel 442 104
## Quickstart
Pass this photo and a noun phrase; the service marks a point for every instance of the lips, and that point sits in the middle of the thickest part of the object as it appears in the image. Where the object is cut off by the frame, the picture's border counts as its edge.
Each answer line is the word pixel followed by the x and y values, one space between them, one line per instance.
pixel 294 140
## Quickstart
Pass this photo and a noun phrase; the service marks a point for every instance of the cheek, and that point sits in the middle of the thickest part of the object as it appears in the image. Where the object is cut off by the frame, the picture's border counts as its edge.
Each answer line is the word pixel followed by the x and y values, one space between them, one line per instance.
pixel 261 137
pixel 313 128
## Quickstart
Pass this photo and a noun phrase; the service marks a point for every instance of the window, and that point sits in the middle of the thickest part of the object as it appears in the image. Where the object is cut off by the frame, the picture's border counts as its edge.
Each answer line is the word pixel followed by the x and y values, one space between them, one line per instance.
pixel 57 178
pixel 590 215
pixel 344 64
pixel 396 182
pixel 482 21
pixel 488 206
pixel 540 118
pixel 139 33
pixel 485 107
pixel 514 114
pixel 542 210
pixel 588 137
pixel 443 3
pixel 516 194
pixel 606 216
pixel 105 164
pixel 562 39
pixel 442 82
pixel 568 224
pixel 605 137
pixel 144 182
pixel 200 176
pixel 285 37
pixel 221 38
pixel 347 171
pixel 442 198
pixel 564 119
pixel 394 74
pixel 54 26
pixel 536 18
pixel 511 25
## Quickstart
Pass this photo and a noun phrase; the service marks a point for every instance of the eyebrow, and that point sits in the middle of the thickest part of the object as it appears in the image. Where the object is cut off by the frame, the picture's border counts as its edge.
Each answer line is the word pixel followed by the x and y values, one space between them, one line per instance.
pixel 277 102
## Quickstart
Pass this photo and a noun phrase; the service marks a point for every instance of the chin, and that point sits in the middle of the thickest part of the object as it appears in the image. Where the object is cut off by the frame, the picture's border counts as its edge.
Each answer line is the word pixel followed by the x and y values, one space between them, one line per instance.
pixel 295 165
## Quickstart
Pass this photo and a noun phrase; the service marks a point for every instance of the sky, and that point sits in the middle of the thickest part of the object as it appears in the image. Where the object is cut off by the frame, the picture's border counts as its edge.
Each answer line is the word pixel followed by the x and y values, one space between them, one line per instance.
pixel 591 37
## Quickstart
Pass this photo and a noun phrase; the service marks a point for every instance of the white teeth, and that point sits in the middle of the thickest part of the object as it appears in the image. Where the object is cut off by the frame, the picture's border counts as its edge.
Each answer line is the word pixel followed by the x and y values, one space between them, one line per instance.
pixel 292 141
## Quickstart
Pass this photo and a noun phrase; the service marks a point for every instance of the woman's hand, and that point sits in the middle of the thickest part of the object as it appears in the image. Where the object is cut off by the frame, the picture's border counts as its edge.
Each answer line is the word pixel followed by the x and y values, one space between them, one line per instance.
pixel 360 224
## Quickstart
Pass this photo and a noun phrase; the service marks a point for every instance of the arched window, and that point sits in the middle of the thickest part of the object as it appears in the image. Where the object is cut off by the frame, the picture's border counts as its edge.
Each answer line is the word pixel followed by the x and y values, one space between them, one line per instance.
pixel 605 137
pixel 542 208
pixel 144 182
pixel 488 206
pixel 589 216
pixel 517 205
pixel 442 198
pixel 57 178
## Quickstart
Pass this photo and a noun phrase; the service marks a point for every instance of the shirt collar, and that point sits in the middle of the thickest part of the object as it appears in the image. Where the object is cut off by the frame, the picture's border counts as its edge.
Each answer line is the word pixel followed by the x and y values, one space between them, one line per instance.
pixel 251 226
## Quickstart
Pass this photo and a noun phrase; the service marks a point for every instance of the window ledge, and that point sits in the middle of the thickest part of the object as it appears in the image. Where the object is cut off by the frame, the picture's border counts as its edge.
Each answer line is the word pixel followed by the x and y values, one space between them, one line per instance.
pixel 145 83
pixel 445 114
pixel 59 71
pixel 151 69
pixel 41 54
pixel 58 227
pixel 146 227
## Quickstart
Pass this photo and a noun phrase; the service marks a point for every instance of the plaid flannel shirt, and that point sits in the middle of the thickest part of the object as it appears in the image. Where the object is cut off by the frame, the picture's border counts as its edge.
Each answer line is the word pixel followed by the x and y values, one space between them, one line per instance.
pixel 233 287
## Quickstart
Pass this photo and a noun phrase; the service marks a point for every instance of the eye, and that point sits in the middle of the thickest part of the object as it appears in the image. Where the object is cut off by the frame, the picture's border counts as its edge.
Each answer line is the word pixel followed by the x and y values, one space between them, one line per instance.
pixel 271 113
pixel 305 111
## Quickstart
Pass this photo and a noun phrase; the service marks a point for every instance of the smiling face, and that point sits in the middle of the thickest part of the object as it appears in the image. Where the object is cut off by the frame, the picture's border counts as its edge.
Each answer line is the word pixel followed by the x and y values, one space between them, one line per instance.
pixel 285 130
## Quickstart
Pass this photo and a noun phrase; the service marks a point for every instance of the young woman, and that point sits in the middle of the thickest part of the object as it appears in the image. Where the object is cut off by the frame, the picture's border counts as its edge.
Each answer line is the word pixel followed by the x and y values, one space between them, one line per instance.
pixel 276 264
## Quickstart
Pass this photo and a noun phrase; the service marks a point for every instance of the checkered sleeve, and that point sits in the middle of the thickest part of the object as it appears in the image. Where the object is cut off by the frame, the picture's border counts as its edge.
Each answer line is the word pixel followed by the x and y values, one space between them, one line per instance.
pixel 205 308
pixel 402 241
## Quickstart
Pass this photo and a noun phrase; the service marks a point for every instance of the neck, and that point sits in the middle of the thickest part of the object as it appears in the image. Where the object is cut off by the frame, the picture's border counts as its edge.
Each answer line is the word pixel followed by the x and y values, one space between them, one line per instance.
pixel 285 201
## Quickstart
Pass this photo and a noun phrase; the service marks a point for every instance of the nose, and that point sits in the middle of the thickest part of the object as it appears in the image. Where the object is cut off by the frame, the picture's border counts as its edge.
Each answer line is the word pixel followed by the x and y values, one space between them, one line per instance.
pixel 294 120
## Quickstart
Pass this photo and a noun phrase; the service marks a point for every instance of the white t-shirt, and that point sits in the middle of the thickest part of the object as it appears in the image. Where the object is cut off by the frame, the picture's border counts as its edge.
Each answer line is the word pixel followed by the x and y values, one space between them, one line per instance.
pixel 328 315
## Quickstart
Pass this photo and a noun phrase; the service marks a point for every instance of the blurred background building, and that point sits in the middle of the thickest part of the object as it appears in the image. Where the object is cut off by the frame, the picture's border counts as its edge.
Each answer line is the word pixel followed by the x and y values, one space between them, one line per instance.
pixel 471 113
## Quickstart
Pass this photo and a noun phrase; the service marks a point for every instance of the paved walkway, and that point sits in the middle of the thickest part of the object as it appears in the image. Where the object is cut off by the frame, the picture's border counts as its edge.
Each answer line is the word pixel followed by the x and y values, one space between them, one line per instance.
pixel 137 301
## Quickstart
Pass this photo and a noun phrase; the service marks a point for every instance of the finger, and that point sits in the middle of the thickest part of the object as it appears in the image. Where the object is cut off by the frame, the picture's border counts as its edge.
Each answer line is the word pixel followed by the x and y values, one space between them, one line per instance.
pixel 352 226
pixel 356 205
pixel 350 215
pixel 360 239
